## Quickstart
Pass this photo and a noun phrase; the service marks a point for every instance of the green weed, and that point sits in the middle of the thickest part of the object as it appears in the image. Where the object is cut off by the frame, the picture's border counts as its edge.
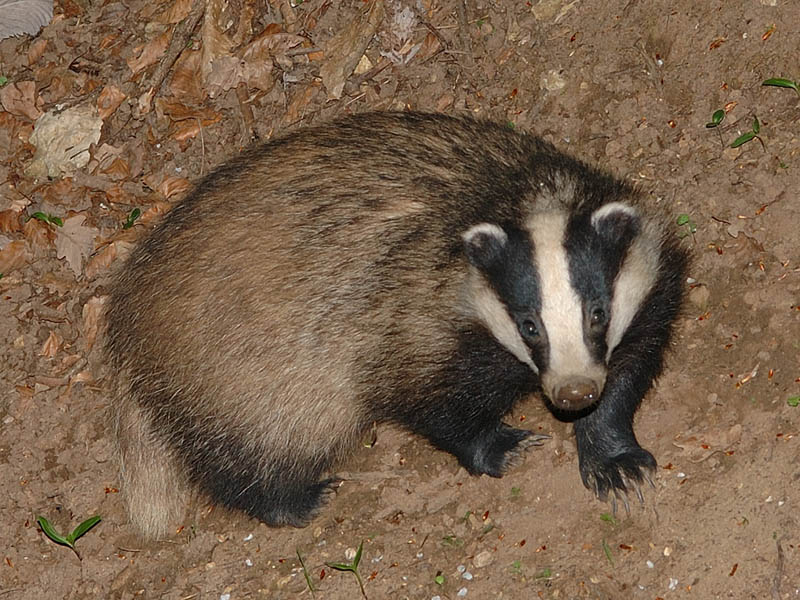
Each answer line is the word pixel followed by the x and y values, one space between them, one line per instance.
pixel 793 401
pixel 47 218
pixel 132 216
pixel 306 574
pixel 68 540
pixel 352 567
pixel 749 135
pixel 782 82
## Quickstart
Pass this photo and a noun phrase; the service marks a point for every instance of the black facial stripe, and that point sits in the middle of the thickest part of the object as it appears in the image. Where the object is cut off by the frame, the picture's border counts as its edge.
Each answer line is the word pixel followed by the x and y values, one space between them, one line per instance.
pixel 595 259
pixel 514 279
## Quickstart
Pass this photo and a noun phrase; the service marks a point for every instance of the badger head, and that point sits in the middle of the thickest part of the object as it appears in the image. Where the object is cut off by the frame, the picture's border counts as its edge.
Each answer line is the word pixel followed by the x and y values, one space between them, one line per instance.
pixel 560 290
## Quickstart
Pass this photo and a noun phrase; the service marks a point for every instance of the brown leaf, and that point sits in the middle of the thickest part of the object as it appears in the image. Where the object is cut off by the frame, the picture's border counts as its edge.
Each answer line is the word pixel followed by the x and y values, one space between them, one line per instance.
pixel 51 345
pixel 174 186
pixel 345 49
pixel 150 53
pixel 36 50
pixel 40 235
pixel 20 99
pixel 186 82
pixel 109 100
pixel 75 241
pixel 92 315
pixel 10 221
pixel 13 255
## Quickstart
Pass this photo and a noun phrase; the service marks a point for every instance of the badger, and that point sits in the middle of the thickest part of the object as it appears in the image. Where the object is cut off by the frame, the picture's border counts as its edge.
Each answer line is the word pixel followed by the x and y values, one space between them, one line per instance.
pixel 413 269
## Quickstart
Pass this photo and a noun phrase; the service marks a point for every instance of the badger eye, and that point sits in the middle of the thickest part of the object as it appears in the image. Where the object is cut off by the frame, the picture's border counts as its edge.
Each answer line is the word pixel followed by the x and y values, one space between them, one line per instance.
pixel 598 317
pixel 529 329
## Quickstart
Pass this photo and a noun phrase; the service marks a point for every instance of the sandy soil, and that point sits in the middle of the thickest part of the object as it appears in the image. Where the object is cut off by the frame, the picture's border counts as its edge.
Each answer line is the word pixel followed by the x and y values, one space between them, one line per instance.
pixel 630 86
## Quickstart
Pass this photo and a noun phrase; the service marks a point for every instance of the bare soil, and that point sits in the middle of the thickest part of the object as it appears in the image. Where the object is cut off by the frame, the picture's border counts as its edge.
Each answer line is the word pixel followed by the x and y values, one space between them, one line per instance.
pixel 629 85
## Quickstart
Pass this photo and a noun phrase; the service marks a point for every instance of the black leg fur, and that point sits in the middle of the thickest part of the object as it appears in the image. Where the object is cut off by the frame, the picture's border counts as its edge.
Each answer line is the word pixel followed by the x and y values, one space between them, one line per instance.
pixel 611 460
pixel 235 479
pixel 460 411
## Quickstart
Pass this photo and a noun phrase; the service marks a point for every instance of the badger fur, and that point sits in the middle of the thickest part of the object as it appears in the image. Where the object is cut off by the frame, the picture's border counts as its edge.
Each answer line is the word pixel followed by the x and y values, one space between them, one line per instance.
pixel 407 268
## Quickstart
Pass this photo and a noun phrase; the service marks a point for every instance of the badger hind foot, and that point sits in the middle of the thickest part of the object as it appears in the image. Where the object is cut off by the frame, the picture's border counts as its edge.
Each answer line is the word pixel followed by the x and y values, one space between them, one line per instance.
pixel 493 451
pixel 294 504
pixel 615 477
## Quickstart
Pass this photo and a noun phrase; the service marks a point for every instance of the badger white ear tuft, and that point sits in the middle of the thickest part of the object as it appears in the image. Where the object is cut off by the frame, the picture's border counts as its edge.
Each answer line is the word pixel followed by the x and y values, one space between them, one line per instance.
pixel 616 221
pixel 484 244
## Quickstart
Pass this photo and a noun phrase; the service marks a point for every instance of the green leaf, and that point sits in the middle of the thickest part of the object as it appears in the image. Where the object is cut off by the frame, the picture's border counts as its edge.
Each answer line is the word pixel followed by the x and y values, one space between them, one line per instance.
pixel 357 558
pixel 743 139
pixel 50 532
pixel 134 214
pixel 781 82
pixel 756 125
pixel 83 528
pixel 607 551
pixel 439 579
pixel 793 401
pixel 682 219
pixel 544 574
pixel 3 80
pixel 716 118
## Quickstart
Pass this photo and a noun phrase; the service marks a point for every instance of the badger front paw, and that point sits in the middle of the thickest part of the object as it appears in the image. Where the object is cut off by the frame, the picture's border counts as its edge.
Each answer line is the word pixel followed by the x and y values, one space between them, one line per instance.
pixel 493 451
pixel 616 476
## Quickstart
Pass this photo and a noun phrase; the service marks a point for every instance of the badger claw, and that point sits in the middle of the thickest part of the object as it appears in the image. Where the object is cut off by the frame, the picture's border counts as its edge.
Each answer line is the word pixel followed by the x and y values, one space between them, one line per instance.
pixel 616 477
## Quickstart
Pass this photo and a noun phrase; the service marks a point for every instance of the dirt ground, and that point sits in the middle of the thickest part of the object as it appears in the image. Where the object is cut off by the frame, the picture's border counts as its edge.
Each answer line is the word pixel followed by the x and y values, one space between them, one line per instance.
pixel 629 85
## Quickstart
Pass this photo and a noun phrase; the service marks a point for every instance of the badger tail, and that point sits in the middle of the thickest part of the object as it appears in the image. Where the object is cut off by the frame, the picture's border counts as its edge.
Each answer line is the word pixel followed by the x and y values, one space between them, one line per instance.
pixel 152 487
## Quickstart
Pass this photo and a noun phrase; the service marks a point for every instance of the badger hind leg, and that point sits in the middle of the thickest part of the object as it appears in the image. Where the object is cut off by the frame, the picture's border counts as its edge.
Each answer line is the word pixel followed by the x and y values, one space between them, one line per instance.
pixel 152 485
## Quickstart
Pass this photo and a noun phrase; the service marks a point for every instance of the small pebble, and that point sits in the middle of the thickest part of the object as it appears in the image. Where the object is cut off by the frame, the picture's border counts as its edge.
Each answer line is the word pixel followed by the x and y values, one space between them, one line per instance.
pixel 248 562
pixel 681 475
pixel 462 592
pixel 225 597
pixel 667 551
pixel 350 553
pixel 673 584
pixel 420 555
pixel 650 564
pixel 482 559
pixel 461 568
pixel 467 575
pixel 436 598
pixel 248 537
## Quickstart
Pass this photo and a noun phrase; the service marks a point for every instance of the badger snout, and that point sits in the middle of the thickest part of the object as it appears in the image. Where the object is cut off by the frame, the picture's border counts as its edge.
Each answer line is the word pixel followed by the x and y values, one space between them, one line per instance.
pixel 575 393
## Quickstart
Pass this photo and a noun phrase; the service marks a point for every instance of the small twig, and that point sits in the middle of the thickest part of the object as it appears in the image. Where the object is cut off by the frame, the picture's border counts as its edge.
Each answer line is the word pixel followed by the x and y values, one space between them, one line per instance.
pixel 776 582
pixel 180 38
pixel 463 31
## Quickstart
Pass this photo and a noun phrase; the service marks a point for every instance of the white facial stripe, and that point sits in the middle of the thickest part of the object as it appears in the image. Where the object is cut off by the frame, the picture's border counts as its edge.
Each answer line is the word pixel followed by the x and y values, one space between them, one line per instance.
pixel 486 306
pixel 634 281
pixel 562 310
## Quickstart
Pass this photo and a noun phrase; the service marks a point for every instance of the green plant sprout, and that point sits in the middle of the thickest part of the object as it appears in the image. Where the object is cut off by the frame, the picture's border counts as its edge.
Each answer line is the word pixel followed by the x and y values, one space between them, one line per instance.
pixel 608 518
pixel 716 118
pixel 607 551
pixel 3 80
pixel 70 539
pixel 793 401
pixel 132 216
pixel 305 573
pixel 352 567
pixel 47 218
pixel 749 135
pixel 545 573
pixel 782 82
pixel 689 228
pixel 439 578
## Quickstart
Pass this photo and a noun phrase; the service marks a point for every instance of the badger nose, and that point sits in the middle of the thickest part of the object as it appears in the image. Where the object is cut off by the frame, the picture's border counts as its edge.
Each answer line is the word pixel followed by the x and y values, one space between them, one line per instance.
pixel 576 394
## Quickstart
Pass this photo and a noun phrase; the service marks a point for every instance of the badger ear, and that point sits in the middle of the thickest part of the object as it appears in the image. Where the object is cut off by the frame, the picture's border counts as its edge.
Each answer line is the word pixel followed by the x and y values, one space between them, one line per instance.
pixel 616 223
pixel 484 244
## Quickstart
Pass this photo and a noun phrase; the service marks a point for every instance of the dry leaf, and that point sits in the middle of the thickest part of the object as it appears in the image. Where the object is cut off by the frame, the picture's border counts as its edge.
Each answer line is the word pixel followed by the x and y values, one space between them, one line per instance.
pixel 19 17
pixel 20 99
pixel 36 50
pixel 62 141
pixel 10 221
pixel 173 186
pixel 345 49
pixel 150 53
pixel 92 314
pixel 109 100
pixel 51 345
pixel 75 241
pixel 40 235
pixel 13 255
